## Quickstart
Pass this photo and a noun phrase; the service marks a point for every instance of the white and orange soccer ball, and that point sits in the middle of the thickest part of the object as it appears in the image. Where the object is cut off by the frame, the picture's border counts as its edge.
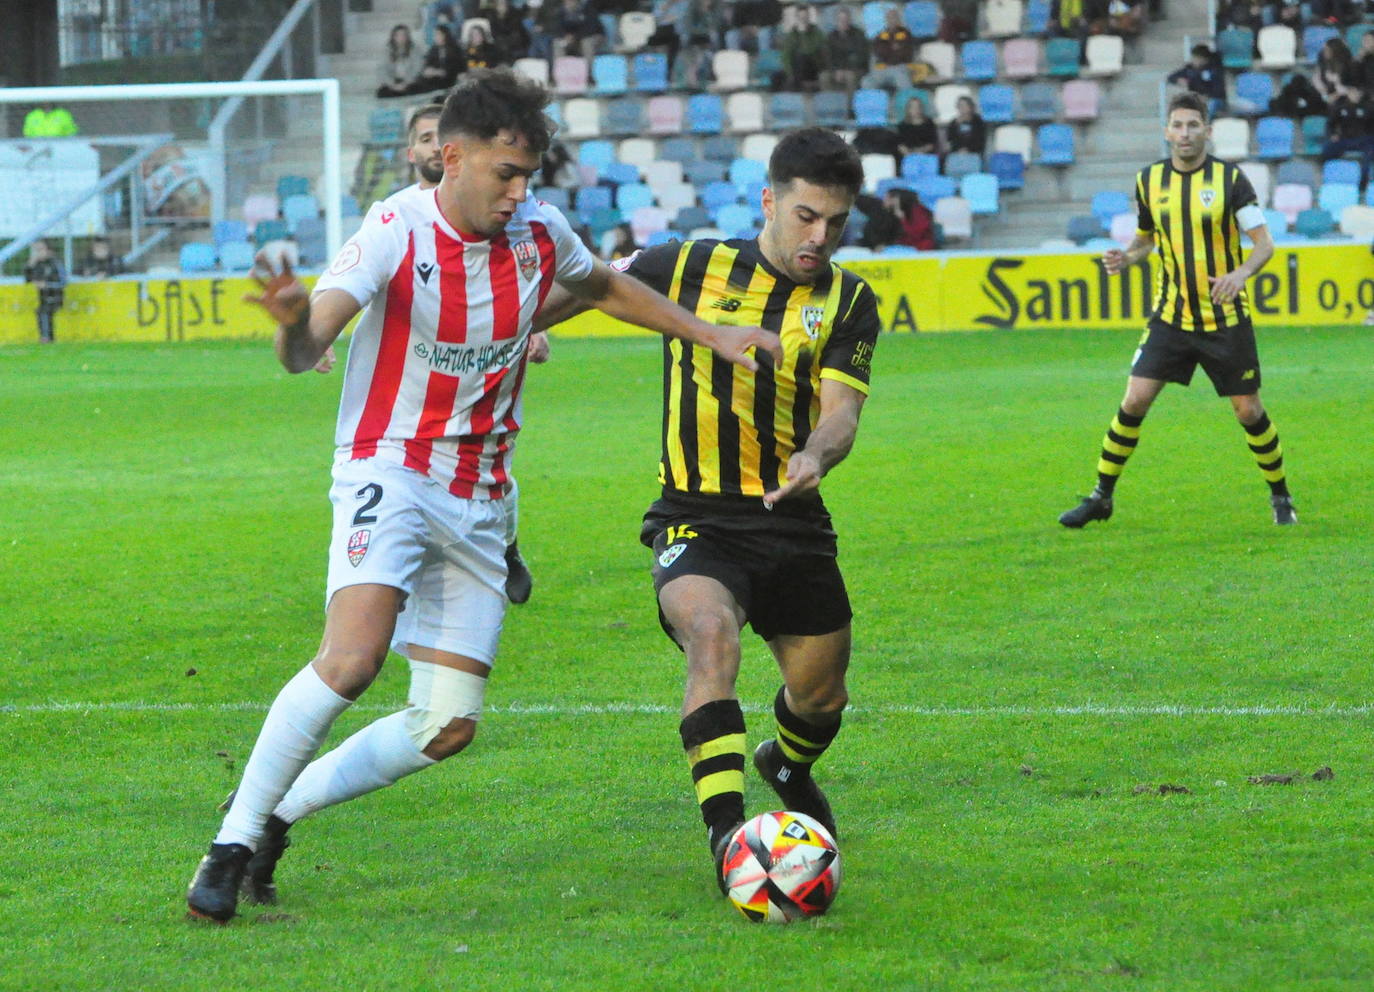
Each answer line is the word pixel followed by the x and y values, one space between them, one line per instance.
pixel 780 867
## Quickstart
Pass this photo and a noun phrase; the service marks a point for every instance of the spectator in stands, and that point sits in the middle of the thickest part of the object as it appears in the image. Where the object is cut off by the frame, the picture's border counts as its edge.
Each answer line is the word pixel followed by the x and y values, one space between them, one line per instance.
pixel 803 50
pixel 1333 66
pixel 967 132
pixel 480 52
pixel 958 20
pixel 45 272
pixel 1203 74
pixel 401 65
pixel 443 63
pixel 507 29
pixel 916 224
pixel 894 49
pixel 1361 72
pixel 1125 19
pixel 916 132
pixel 847 55
pixel 100 262
pixel 1298 98
pixel 578 30
pixel 1240 14
pixel 1290 16
pixel 1348 129
pixel 668 27
pixel 1336 11
pixel 556 167
pixel 49 121
pixel 752 23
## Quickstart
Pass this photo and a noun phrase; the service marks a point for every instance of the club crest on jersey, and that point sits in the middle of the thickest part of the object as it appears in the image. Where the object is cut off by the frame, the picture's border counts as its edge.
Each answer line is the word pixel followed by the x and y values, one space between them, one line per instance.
pixel 357 546
pixel 1208 197
pixel 528 257
pixel 811 319
pixel 671 555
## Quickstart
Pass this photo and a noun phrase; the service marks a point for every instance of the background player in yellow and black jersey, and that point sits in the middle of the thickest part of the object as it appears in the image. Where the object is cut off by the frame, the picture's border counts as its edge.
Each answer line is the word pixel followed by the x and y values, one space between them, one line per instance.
pixel 740 533
pixel 1193 208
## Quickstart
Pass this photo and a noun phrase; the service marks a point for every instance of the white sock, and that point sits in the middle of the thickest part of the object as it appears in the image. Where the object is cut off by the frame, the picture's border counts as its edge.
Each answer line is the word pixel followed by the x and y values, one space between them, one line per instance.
pixel 511 501
pixel 371 759
pixel 296 726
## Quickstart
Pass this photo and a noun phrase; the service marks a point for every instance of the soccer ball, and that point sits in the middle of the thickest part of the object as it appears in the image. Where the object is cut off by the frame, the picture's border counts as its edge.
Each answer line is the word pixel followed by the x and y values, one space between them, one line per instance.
pixel 780 867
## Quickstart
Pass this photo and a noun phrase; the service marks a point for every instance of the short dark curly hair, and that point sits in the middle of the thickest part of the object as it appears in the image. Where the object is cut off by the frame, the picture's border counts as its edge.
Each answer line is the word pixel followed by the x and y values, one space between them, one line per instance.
pixel 819 156
pixel 1189 101
pixel 488 101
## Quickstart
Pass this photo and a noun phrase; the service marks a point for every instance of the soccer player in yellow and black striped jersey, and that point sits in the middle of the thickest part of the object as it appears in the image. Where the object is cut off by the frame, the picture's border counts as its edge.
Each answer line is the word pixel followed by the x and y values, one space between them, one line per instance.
pixel 1193 208
pixel 740 533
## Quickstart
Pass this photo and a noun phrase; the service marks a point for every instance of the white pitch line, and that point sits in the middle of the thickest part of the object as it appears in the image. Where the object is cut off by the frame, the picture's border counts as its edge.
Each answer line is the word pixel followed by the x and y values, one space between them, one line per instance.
pixel 652 709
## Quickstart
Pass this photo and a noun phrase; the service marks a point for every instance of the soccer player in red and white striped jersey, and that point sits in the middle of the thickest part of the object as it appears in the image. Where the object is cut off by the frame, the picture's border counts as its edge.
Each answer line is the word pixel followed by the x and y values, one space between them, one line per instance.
pixel 448 281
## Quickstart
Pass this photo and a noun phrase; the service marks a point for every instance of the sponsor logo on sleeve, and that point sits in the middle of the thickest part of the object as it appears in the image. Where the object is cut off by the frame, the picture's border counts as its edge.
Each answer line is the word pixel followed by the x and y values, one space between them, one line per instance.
pixel 357 546
pixel 671 555
pixel 349 256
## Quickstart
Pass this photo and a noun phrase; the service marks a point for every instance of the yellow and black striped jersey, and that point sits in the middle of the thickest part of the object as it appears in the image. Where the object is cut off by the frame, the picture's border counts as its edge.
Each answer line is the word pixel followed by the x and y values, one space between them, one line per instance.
pixel 1196 219
pixel 727 430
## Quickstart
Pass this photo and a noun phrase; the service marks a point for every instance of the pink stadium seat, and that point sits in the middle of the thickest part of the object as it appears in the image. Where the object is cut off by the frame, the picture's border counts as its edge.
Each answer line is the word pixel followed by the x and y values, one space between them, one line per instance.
pixel 665 115
pixel 570 74
pixel 1123 228
pixel 1021 58
pixel 647 220
pixel 1082 100
pixel 1291 199
pixel 260 206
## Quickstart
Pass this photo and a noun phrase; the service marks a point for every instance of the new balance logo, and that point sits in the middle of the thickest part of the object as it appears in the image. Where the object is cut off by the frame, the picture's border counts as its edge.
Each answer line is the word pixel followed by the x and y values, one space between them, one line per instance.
pixel 784 773
pixel 424 269
pixel 727 303
pixel 1249 374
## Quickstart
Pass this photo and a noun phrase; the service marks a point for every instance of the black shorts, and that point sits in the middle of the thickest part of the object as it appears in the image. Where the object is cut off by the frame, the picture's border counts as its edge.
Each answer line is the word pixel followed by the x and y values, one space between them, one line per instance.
pixel 780 564
pixel 1228 356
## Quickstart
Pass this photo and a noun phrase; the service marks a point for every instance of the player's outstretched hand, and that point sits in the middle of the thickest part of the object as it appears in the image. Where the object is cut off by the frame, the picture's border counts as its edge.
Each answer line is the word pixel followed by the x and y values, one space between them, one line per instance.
pixel 283 295
pixel 734 344
pixel 327 361
pixel 1114 260
pixel 539 347
pixel 1225 288
pixel 803 476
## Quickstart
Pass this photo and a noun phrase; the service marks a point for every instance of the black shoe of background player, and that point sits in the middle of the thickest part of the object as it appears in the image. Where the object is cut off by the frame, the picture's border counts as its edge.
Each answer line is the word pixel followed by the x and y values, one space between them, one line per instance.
pixel 519 582
pixel 214 891
pixel 1093 507
pixel 257 886
pixel 1284 511
pixel 798 791
pixel 720 843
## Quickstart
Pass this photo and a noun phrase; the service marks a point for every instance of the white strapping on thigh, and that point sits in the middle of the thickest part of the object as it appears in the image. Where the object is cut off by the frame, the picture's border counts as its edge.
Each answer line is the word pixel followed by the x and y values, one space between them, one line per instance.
pixel 438 696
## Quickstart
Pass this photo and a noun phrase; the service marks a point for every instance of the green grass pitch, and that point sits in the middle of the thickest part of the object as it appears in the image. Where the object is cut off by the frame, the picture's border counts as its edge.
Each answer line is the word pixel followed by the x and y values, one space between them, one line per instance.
pixel 1020 692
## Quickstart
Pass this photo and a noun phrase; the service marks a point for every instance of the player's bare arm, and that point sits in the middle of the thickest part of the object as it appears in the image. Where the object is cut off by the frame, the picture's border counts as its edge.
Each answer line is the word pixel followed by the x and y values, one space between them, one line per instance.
pixel 625 297
pixel 1116 260
pixel 1226 287
pixel 306 325
pixel 829 443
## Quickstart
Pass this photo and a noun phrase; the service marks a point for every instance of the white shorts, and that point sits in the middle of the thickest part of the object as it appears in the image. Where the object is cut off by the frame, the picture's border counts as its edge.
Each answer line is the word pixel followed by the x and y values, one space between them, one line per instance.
pixel 396 527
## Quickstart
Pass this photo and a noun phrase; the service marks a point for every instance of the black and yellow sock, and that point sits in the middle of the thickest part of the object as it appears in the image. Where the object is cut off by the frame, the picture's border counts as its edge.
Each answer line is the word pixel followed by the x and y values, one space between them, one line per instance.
pixel 1117 446
pixel 1263 437
pixel 713 737
pixel 801 742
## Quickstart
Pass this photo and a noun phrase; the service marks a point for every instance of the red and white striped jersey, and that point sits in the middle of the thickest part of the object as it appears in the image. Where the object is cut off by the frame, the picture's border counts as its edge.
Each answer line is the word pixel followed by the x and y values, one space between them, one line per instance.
pixel 438 356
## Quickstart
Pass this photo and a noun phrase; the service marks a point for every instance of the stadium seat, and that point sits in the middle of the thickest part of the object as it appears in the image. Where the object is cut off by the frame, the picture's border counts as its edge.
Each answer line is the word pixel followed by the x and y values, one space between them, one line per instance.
pixel 1312 131
pixel 1021 58
pixel 955 217
pixel 619 173
pixel 759 146
pixel 1056 144
pixel 610 75
pixel 747 171
pixel 1340 170
pixel 744 111
pixel 1357 221
pixel 603 219
pixel 1039 102
pixel 570 75
pixel 348 206
pixel 1009 168
pixel 260 207
pixel 1062 56
pixel 1254 90
pixel 735 219
pixel 675 196
pixel 922 18
pixel 197 256
pixel 898 251
pixel 659 174
pixel 705 113
pixel 717 194
pixel 665 114
pixel 764 67
pixel 597 154
pixel 690 217
pixel 651 72
pixel 590 199
pixel 961 164
pixel 647 220
pixel 1082 229
pixel 1335 197
pixel 831 108
pixel 641 152
pixel 932 189
pixel 270 230
pixel 1038 14
pixel 1236 47
pixel 720 148
pixel 1002 18
pixel 1105 54
pixel 635 30
pixel 947 100
pixel 1278 48
pixel 288 186
pixel 1082 100
pixel 1273 138
pixel 1276 221
pixel 1295 170
pixel 918 166
pixel 1355 33
pixel 980 189
pixel 536 69
pixel 872 17
pixel 299 207
pixel 624 116
pixel 703 172
pixel 310 237
pixel 997 103
pixel 681 150
pixel 940 56
pixel 878 167
pixel 236 256
pixel 979 59
pixel 1314 36
pixel 1230 138
pixel 786 111
pixel 1014 139
pixel 731 69
pixel 871 108
pixel 1314 223
pixel 1122 227
pixel 1291 199
pixel 1258 174
pixel 227 231
pixel 554 196
pixel 581 118
pixel 1107 203
pixel 882 189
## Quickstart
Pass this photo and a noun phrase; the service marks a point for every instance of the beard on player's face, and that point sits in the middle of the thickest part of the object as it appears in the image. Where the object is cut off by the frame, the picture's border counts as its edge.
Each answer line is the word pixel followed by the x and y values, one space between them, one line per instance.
pixel 431 170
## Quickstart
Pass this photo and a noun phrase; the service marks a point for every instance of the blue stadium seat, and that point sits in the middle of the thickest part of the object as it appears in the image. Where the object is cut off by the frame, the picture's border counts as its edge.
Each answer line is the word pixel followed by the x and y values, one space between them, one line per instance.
pixel 1341 170
pixel 1009 168
pixel 620 173
pixel 1354 33
pixel 624 116
pixel 1056 144
pixel 1314 36
pixel 604 219
pixel 1313 131
pixel 597 154
pixel 745 172
pixel 288 186
pixel 918 166
pixel 554 196
pixel 1062 56
pixel 786 111
pixel 311 243
pixel 979 59
pixel 682 150
pixel 236 256
pixel 1107 204
pixel 1297 171
pixel 1083 229
pixel 1314 223
pixel 874 14
pixel 1274 137
pixel 226 231
pixel 887 185
pixel 270 230
pixel 1254 90
pixel 898 251
pixel 720 148
pixel 1236 46
pixel 197 256
pixel 651 72
pixel 298 207
pixel 386 126
pixel 997 103
pixel 831 108
pixel 657 238
pixel 691 217
pixel 764 66
pixel 904 96
pixel 961 164
pixel 871 108
pixel 1037 16
pixel 922 18
pixel 703 172
pixel 981 191
pixel 705 114
pixel 1335 197
pixel 717 194
pixel 632 196
pixel 348 206
pixel 1039 102
pixel 590 199
pixel 610 75
pixel 933 188
pixel 735 219
pixel 1276 221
